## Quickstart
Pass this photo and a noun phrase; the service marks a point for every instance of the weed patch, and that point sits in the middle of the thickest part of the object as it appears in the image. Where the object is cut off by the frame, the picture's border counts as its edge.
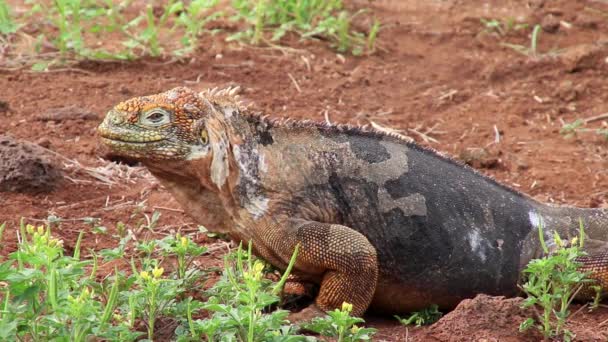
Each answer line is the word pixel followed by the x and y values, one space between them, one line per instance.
pixel 314 18
pixel 47 295
pixel 426 316
pixel 72 30
pixel 341 325
pixel 572 129
pixel 551 284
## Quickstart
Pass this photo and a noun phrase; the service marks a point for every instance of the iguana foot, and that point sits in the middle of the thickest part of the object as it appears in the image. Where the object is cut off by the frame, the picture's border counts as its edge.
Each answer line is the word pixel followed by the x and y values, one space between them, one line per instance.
pixel 306 315
pixel 297 288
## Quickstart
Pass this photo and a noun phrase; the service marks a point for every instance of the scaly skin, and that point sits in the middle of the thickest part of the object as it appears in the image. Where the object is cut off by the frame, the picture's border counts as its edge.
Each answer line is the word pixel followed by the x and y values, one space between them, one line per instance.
pixel 382 223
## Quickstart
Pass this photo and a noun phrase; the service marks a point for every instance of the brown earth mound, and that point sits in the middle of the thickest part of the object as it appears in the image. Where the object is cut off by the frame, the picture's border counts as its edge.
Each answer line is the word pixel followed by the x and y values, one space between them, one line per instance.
pixel 483 317
pixel 26 167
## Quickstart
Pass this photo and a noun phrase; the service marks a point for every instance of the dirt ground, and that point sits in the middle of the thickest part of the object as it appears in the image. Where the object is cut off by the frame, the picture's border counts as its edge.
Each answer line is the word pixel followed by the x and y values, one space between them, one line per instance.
pixel 440 77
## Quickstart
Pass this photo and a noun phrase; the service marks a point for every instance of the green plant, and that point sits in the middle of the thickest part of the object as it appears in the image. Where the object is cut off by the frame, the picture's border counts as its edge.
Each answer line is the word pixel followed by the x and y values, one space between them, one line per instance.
pixel 551 284
pixel 7 24
pixel 532 50
pixel 502 27
pixel 308 18
pixel 184 249
pixel 339 323
pixel 569 130
pixel 425 316
pixel 193 18
pixel 152 285
pixel 46 295
pixel 596 298
pixel 148 39
pixel 72 26
pixel 238 301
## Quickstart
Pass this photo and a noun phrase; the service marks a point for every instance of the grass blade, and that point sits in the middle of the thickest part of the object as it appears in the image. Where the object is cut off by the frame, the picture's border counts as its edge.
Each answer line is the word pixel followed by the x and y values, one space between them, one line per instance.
pixel 279 286
pixel 109 309
pixel 77 247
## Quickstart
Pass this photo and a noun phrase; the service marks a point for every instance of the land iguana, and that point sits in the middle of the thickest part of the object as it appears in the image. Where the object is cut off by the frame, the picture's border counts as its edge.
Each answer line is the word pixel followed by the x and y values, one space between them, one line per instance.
pixel 382 223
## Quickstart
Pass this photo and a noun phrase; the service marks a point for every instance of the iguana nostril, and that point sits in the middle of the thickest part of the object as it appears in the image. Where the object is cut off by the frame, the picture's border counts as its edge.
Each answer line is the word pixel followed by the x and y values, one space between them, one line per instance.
pixel 116 120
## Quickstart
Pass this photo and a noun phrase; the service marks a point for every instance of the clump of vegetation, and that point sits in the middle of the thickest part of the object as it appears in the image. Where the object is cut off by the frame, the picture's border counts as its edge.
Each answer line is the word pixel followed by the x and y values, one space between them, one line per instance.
pixel 530 50
pixel 502 27
pixel 425 316
pixel 340 324
pixel 48 295
pixel 551 284
pixel 72 30
pixel 7 25
pixel 572 129
pixel 313 18
pixel 74 27
pixel 238 301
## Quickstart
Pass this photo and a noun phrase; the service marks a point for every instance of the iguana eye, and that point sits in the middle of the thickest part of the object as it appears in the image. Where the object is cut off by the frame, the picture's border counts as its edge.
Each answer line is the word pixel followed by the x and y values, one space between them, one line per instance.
pixel 204 137
pixel 156 117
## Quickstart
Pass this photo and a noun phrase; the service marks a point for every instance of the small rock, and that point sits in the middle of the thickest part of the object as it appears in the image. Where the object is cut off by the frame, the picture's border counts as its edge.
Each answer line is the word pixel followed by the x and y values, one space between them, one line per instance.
pixel 567 91
pixel 25 167
pixel 124 90
pixel 522 165
pixel 583 56
pixel 4 106
pixel 478 158
pixel 587 20
pixel 550 23
pixel 44 142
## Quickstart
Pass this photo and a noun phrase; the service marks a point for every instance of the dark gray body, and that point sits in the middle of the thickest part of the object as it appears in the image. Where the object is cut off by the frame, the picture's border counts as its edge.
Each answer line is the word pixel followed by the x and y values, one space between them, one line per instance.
pixel 442 232
pixel 470 240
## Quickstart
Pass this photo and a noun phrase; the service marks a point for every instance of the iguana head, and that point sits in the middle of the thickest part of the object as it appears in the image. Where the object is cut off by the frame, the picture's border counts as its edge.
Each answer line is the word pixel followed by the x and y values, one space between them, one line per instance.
pixel 163 126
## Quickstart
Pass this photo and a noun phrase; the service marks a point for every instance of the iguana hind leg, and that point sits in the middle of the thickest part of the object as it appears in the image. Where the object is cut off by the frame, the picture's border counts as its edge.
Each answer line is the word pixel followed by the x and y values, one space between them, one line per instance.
pixel 342 258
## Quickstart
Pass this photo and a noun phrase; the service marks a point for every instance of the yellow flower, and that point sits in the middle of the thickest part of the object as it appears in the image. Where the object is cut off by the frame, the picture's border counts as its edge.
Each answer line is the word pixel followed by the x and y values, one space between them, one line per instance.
pixel 144 275
pixel 40 230
pixel 55 243
pixel 30 229
pixel 184 241
pixel 558 239
pixel 257 270
pixel 574 241
pixel 258 267
pixel 355 329
pixel 347 307
pixel 85 294
pixel 158 272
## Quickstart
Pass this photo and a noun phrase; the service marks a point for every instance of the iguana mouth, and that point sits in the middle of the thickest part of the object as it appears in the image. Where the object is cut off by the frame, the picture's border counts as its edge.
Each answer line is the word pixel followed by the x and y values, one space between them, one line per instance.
pixel 130 142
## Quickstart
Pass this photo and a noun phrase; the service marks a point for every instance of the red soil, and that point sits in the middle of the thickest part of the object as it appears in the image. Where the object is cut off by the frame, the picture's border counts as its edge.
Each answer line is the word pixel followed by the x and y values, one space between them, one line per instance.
pixel 437 73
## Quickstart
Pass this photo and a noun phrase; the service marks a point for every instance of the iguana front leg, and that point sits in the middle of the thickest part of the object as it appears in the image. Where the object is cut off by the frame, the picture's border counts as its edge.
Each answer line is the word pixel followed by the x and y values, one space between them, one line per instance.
pixel 342 259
